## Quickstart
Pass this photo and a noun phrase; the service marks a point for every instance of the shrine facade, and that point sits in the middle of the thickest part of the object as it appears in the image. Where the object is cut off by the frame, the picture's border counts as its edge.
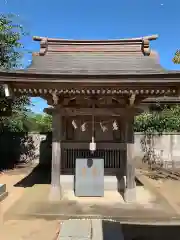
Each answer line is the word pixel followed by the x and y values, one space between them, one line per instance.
pixel 94 89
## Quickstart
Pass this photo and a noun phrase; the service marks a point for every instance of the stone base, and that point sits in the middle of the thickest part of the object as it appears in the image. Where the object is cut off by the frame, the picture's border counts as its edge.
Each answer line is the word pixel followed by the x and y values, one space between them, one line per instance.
pixel 122 184
pixel 55 194
pixel 130 195
pixel 3 192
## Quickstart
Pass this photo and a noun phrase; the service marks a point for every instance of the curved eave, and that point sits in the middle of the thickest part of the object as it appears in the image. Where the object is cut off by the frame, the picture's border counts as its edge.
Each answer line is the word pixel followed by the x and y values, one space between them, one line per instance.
pixel 140 39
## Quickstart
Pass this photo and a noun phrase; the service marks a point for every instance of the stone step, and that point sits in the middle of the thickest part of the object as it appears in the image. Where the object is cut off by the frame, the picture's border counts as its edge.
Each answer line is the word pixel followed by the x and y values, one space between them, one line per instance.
pixel 3 192
pixel 94 229
pixel 3 196
pixel 2 188
pixel 76 230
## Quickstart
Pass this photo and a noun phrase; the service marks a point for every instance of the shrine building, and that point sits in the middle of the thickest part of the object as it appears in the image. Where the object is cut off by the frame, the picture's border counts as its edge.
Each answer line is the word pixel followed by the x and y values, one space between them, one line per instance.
pixel 94 89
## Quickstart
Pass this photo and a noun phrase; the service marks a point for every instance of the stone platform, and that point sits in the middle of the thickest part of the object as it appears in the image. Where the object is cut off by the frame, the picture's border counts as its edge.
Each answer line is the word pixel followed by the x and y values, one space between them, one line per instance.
pixel 110 182
pixel 34 203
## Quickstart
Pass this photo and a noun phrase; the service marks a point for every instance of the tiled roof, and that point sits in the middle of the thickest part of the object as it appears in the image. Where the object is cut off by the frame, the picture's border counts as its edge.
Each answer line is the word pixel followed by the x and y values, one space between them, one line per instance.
pixel 95 64
pixel 111 57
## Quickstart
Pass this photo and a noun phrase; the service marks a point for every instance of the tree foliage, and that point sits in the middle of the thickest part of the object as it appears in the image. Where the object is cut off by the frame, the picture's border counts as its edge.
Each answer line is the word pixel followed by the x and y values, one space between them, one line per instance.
pixel 176 58
pixel 10 42
pixel 167 120
pixel 39 122
pixel 11 52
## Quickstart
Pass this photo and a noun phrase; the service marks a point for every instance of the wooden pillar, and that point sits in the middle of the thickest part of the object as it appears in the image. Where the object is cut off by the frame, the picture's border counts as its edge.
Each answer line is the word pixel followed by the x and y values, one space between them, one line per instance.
pixel 122 170
pixel 55 193
pixel 130 190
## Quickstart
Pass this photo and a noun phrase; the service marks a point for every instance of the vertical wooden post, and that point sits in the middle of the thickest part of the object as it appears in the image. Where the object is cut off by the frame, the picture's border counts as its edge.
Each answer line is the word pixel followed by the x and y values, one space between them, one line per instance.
pixel 122 170
pixel 130 191
pixel 55 193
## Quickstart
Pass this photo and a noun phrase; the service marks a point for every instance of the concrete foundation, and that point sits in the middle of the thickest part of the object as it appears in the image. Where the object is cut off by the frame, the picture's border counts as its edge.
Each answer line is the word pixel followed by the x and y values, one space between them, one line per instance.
pixel 55 193
pixel 130 195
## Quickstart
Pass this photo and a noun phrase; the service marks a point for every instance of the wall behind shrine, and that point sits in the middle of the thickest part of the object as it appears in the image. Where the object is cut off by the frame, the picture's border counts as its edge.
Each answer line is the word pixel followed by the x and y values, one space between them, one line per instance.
pixel 165 148
pixel 19 147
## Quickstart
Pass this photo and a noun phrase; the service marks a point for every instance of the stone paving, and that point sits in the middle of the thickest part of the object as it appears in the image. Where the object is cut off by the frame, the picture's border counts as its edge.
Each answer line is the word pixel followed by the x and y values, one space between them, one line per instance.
pixel 106 230
pixel 89 230
pixel 76 230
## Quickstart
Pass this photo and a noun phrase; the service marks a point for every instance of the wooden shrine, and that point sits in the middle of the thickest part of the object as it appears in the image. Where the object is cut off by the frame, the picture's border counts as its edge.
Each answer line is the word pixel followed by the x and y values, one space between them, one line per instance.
pixel 94 89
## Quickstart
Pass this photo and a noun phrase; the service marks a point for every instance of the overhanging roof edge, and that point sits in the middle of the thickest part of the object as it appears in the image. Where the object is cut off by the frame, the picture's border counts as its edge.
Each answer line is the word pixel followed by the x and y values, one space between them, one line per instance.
pixel 26 77
pixel 22 73
pixel 150 38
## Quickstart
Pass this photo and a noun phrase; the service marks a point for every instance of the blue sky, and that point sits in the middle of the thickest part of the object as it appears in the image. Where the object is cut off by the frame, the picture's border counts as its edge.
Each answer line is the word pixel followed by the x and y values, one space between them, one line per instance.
pixel 99 19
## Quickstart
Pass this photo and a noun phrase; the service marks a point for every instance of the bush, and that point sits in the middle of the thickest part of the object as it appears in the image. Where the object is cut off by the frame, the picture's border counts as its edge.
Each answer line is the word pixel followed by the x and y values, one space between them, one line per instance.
pixel 168 120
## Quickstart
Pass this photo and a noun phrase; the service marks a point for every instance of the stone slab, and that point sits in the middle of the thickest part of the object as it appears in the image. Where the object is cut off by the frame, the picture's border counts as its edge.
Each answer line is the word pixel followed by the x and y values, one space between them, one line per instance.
pixel 2 188
pixel 97 231
pixel 72 238
pixel 3 193
pixel 75 229
pixel 3 196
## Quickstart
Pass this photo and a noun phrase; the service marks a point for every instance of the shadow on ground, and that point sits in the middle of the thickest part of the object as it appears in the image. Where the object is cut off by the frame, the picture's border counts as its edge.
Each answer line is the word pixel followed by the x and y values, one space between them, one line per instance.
pixel 116 231
pixel 42 175
pixel 39 175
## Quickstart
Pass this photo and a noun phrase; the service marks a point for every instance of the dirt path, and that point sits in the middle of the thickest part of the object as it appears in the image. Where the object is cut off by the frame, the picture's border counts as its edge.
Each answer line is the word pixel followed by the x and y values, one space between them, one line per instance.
pixel 29 230
pixel 169 189
pixel 22 229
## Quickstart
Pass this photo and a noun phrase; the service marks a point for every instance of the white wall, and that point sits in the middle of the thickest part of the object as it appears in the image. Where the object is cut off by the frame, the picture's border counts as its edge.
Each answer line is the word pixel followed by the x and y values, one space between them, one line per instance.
pixel 166 147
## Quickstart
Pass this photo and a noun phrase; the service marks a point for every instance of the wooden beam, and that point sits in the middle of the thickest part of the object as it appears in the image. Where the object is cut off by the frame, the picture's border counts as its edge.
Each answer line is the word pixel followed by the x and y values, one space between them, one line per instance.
pixel 99 111
pixel 70 111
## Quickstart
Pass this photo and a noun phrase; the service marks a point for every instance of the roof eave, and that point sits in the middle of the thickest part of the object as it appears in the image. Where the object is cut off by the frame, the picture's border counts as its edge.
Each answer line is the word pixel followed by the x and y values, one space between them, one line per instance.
pixel 140 39
pixel 172 76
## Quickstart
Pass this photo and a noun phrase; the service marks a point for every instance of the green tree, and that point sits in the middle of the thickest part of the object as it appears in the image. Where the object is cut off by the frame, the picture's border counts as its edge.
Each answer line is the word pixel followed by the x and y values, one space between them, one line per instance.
pixel 11 52
pixel 39 122
pixel 176 58
pixel 168 120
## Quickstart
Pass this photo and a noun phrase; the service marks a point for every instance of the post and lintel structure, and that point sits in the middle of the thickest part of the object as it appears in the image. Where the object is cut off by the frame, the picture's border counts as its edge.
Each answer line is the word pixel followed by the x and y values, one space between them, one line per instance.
pixel 107 79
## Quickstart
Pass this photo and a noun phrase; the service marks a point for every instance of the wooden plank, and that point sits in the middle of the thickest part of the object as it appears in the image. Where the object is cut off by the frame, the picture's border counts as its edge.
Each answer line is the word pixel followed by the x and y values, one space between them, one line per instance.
pixel 98 111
